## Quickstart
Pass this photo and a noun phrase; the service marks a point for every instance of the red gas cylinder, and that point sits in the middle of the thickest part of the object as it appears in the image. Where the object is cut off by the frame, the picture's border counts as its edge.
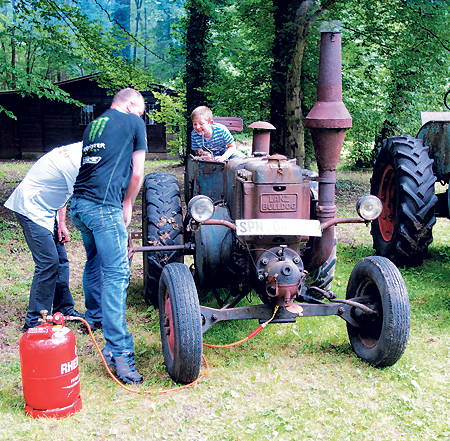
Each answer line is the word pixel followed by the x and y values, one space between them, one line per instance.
pixel 49 367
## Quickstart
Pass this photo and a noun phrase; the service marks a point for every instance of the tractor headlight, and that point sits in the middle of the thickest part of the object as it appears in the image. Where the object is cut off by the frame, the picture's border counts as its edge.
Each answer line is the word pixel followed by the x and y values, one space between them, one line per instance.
pixel 369 207
pixel 201 208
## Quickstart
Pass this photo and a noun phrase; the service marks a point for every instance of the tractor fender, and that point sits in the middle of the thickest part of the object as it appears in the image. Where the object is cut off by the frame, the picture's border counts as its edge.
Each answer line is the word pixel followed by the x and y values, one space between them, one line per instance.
pixel 213 250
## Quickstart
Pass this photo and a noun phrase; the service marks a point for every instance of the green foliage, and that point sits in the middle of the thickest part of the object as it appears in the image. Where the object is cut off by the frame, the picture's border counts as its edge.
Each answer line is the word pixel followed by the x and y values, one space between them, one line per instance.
pixel 393 56
pixel 46 41
pixel 172 114
pixel 234 59
pixel 361 155
pixel 241 58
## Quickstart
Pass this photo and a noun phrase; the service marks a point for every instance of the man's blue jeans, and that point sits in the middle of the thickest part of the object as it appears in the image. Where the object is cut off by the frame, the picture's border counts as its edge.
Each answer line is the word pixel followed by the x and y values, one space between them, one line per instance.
pixel 107 270
pixel 50 285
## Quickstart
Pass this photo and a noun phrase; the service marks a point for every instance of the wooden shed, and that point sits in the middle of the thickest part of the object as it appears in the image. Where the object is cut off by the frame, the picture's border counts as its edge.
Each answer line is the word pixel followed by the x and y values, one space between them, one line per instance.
pixel 43 124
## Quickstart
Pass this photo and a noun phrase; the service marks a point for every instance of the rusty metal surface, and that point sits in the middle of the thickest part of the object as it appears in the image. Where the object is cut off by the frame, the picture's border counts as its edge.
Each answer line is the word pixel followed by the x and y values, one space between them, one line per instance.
pixel 263 313
pixel 213 250
pixel 205 177
pixel 271 187
pixel 261 137
pixel 342 220
pixel 232 123
pixel 329 110
pixel 281 270
pixel 436 135
pixel 224 222
pixel 328 121
pixel 263 125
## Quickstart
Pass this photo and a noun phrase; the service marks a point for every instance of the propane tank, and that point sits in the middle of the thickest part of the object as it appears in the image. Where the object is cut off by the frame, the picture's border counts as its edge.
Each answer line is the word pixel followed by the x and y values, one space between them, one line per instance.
pixel 49 367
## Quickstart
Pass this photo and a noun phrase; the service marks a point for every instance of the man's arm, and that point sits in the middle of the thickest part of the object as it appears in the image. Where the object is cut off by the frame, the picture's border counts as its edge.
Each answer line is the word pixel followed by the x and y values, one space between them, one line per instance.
pixel 134 186
pixel 63 232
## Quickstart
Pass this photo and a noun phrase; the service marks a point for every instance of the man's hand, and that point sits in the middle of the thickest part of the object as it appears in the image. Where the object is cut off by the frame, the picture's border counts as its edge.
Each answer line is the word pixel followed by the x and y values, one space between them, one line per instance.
pixel 127 212
pixel 63 232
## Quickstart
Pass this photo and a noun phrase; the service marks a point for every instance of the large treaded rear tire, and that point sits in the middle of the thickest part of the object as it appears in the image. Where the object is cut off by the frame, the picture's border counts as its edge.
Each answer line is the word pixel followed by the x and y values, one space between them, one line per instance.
pixel 403 180
pixel 162 224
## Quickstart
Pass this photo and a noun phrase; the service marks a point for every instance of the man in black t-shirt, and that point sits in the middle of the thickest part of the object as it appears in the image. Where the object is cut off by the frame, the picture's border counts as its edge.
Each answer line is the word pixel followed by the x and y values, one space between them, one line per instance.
pixel 110 177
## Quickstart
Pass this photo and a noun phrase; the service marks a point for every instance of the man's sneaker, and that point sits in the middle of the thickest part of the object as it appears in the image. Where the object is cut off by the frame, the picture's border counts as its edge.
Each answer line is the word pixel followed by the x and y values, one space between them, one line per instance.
pixel 108 356
pixel 126 369
pixel 94 327
pixel 26 327
pixel 75 313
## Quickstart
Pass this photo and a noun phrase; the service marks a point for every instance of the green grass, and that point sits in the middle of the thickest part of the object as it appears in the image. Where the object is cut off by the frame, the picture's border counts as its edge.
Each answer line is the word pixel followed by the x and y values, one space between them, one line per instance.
pixel 295 381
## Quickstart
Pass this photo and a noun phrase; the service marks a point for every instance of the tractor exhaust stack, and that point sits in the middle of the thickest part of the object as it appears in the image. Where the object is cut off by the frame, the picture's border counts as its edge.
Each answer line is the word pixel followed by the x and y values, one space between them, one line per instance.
pixel 328 121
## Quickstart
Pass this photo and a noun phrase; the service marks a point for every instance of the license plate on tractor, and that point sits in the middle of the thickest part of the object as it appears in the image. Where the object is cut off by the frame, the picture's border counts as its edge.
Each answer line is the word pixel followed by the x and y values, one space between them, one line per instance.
pixel 273 227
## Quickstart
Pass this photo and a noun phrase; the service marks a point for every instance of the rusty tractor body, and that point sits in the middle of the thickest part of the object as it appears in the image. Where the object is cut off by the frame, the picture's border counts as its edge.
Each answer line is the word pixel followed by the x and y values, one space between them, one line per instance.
pixel 263 223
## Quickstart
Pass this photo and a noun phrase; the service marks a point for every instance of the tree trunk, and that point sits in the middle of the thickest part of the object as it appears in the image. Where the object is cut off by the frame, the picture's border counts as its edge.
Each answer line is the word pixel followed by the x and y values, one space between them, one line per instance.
pixel 293 19
pixel 294 142
pixel 196 68
pixel 122 15
pixel 138 4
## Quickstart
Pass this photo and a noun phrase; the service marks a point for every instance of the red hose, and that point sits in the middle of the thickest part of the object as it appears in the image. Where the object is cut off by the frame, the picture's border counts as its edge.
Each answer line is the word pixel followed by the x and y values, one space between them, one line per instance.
pixel 127 388
pixel 249 336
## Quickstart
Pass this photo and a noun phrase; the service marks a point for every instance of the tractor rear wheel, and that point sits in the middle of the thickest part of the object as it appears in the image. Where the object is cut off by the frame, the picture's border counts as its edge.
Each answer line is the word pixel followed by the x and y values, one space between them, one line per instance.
pixel 180 323
pixel 403 180
pixel 162 224
pixel 381 338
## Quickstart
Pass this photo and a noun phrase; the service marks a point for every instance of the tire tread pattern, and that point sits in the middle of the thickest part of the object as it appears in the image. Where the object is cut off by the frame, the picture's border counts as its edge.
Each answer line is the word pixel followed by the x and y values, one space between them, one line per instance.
pixel 415 203
pixel 162 223
pixel 396 310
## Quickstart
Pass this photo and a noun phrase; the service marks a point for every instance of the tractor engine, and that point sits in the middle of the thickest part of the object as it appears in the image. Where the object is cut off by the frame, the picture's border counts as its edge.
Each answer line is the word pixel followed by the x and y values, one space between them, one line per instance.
pixel 262 194
pixel 268 193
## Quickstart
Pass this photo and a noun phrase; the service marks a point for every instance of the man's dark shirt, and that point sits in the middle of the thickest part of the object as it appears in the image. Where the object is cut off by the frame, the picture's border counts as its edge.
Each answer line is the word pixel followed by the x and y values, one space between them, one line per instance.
pixel 106 165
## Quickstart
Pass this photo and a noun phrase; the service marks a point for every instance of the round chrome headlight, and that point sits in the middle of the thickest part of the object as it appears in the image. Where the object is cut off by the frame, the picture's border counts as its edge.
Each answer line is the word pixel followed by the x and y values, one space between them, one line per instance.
pixel 201 208
pixel 369 207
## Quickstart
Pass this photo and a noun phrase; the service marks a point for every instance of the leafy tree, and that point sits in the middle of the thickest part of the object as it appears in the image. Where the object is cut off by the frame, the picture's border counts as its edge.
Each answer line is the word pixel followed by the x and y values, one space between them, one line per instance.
pixel 196 44
pixel 67 40
pixel 247 62
pixel 395 58
pixel 241 59
pixel 228 57
pixel 172 113
pixel 293 21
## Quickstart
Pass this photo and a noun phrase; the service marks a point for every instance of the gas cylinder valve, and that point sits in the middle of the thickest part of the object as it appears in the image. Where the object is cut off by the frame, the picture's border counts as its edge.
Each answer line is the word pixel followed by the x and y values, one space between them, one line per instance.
pixel 44 318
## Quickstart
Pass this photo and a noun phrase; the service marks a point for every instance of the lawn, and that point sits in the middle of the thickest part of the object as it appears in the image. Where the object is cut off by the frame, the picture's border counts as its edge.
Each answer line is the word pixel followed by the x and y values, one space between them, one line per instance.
pixel 291 382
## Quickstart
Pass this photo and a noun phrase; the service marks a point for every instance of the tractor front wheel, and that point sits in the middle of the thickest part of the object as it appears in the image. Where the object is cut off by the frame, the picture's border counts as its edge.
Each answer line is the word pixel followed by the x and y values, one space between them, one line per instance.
pixel 180 323
pixel 381 338
pixel 403 180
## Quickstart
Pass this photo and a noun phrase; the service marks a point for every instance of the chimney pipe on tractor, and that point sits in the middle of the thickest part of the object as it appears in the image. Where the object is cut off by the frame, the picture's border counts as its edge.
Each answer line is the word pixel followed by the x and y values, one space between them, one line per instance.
pixel 328 121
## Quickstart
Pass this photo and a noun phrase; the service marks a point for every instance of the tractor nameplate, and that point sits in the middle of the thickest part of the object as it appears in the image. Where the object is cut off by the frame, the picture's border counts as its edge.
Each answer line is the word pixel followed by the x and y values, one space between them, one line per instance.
pixel 278 202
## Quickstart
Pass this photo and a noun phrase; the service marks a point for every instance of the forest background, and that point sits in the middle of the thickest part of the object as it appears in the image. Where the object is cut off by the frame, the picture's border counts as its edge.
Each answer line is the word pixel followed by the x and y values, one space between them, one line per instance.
pixel 257 59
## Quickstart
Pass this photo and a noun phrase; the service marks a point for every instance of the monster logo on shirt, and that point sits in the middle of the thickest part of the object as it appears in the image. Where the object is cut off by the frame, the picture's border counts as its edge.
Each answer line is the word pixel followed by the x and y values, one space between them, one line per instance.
pixel 97 127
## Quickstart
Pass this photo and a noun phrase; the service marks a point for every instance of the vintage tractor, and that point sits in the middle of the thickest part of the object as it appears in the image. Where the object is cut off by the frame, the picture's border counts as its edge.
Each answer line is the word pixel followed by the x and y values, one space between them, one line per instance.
pixel 262 223
pixel 404 177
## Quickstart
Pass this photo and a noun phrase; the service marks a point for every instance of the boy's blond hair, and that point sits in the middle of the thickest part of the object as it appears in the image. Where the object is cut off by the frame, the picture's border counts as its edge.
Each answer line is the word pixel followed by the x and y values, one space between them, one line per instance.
pixel 202 112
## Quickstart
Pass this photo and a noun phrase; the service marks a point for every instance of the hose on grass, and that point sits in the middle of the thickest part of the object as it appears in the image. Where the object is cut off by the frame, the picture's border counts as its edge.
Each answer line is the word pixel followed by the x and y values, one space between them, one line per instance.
pixel 161 392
